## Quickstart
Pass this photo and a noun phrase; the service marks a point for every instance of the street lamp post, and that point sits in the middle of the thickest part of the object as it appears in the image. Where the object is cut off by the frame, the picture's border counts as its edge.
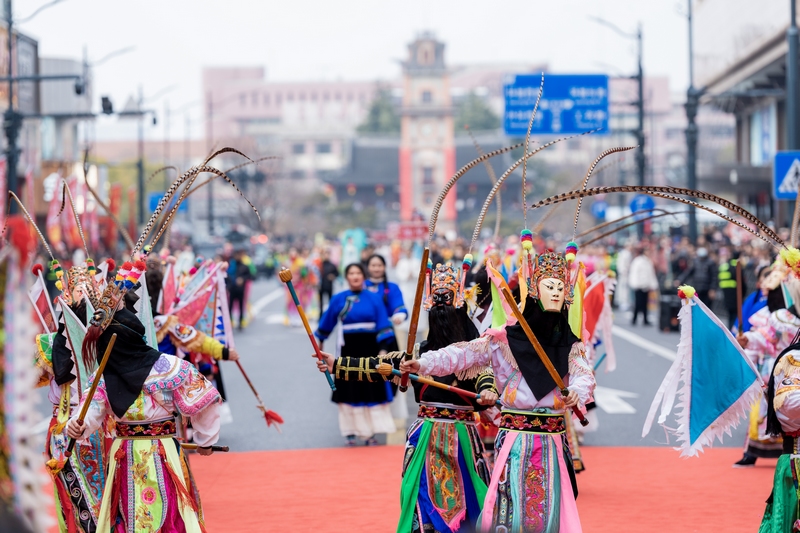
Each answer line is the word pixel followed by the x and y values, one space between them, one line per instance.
pixel 792 120
pixel 692 103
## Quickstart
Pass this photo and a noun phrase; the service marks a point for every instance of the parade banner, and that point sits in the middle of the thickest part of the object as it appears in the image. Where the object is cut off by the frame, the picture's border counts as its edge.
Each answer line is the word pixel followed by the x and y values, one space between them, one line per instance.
pixel 714 382
pixel 41 303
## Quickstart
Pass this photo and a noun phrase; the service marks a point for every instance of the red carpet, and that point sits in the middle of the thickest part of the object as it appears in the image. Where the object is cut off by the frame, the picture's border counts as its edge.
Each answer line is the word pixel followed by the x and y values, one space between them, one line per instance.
pixel 347 490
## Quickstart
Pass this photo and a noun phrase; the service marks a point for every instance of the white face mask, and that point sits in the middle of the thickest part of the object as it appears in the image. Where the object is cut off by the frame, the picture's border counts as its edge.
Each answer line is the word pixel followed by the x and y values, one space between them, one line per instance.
pixel 551 294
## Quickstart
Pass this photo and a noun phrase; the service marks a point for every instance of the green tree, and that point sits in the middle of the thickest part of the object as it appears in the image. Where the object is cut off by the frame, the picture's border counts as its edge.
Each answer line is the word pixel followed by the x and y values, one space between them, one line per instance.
pixel 474 112
pixel 382 116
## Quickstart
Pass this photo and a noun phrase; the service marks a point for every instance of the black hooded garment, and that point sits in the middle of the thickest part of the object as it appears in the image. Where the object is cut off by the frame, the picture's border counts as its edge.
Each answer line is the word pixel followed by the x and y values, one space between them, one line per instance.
pixel 130 361
pixel 62 355
pixel 556 337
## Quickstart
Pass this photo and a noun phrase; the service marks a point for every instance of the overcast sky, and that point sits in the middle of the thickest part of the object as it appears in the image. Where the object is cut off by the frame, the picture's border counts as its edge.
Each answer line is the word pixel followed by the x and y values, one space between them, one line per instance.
pixel 345 39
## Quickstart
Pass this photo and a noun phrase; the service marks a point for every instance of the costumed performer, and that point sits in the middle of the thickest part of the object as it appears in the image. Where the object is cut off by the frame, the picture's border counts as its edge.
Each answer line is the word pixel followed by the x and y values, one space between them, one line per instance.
pixel 141 389
pixel 304 285
pixel 533 487
pixel 378 283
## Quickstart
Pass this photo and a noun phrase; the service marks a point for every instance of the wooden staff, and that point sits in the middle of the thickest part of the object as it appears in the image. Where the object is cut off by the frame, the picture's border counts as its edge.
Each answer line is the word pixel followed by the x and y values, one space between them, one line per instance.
pixel 192 446
pixel 386 369
pixel 286 276
pixel 541 353
pixel 739 293
pixel 412 326
pixel 270 416
pixel 87 400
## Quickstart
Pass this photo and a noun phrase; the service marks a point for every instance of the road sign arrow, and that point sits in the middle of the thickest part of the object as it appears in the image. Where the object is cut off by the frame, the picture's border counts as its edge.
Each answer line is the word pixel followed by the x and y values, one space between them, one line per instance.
pixel 611 401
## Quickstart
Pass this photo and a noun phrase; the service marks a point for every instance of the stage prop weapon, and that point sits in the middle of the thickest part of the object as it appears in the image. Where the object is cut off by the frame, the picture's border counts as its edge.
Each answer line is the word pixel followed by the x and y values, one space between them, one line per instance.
pixel 88 398
pixel 541 353
pixel 385 369
pixel 412 326
pixel 192 446
pixel 286 276
pixel 739 293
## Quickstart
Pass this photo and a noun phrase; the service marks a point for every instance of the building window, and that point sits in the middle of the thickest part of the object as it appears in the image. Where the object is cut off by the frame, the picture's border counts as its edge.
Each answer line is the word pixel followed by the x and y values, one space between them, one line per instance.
pixel 349 97
pixel 278 99
pixel 298 148
pixel 266 99
pixel 290 97
pixel 313 97
pixel 427 176
pixel 338 96
pixel 254 99
pixel 323 148
pixel 326 97
pixel 302 97
pixel 242 100
pixel 297 174
pixel 427 97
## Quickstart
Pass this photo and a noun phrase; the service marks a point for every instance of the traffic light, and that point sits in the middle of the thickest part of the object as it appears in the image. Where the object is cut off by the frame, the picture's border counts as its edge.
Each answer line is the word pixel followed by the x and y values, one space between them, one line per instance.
pixel 108 107
pixel 80 86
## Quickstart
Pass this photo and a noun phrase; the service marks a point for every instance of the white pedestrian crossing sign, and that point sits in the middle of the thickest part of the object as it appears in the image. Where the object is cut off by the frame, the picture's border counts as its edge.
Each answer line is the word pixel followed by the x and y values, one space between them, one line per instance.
pixel 786 175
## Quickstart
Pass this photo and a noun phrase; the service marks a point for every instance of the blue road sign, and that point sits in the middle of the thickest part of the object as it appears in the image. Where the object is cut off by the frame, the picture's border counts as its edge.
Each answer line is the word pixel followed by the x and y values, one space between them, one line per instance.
pixel 599 209
pixel 570 104
pixel 155 197
pixel 786 175
pixel 642 202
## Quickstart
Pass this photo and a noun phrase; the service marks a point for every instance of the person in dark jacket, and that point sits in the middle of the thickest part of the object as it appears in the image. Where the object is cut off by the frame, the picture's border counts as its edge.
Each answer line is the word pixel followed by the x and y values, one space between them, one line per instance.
pixel 328 272
pixel 702 275
pixel 239 274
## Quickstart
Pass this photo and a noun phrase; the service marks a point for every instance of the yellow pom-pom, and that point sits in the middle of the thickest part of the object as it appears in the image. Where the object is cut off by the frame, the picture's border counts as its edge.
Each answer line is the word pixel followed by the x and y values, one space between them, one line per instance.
pixel 686 291
pixel 791 256
pixel 527 245
pixel 59 285
pixel 570 257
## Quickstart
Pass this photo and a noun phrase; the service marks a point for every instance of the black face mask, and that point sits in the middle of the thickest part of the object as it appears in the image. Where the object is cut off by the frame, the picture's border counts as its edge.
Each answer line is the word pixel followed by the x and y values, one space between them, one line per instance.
pixel 443 297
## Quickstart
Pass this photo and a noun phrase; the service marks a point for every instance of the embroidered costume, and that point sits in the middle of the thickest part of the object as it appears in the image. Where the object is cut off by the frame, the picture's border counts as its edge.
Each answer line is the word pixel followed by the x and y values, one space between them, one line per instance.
pixel 445 475
pixel 532 487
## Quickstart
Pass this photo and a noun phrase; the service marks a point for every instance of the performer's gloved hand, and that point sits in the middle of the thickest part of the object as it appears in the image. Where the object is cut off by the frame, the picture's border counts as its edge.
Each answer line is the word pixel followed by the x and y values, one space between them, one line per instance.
pixel 326 363
pixel 411 367
pixel 571 400
pixel 205 451
pixel 74 428
pixel 488 397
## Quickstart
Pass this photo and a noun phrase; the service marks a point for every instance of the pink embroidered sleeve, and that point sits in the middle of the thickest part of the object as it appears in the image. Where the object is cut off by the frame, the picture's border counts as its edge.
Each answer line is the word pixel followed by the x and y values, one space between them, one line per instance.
pixel 457 357
pixel 581 376
pixel 195 393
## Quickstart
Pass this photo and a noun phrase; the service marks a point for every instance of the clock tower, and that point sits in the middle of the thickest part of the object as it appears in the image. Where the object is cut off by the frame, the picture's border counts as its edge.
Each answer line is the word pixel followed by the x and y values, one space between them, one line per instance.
pixel 427 149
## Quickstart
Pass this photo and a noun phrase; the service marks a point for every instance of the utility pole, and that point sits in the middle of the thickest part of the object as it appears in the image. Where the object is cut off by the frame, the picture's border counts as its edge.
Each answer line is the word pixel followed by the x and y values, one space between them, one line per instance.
pixel 792 121
pixel 210 183
pixel 12 121
pixel 166 143
pixel 140 162
pixel 692 103
pixel 640 160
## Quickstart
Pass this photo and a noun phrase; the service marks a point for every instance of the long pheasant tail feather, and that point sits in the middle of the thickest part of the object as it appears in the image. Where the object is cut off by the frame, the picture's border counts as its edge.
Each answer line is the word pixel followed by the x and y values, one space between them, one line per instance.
pixel 224 176
pixel 159 171
pixel 525 158
pixel 550 212
pixel 589 175
pixel 795 222
pixel 492 176
pixel 195 173
pixel 616 221
pixel 77 217
pixel 501 179
pixel 765 232
pixel 63 198
pixel 32 222
pixel 168 194
pixel 226 150
pixel 251 162
pixel 437 206
pixel 628 225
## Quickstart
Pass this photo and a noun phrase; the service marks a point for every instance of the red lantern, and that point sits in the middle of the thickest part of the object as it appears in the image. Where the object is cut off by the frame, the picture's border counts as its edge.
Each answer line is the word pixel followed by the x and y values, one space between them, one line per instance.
pixel 351 189
pixel 380 189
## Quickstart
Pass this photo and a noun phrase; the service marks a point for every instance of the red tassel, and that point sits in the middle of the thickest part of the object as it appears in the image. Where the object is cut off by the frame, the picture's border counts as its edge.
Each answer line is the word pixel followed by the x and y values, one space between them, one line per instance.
pixel 183 493
pixel 272 418
pixel 90 345
pixel 116 486
pixel 112 265
pixel 37 269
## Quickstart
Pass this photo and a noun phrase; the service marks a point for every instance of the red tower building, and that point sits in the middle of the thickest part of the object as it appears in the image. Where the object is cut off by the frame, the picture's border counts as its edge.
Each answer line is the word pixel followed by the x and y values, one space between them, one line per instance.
pixel 427 150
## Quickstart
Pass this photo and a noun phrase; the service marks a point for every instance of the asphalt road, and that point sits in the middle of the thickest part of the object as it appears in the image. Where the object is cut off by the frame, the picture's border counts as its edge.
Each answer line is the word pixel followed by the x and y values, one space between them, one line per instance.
pixel 277 358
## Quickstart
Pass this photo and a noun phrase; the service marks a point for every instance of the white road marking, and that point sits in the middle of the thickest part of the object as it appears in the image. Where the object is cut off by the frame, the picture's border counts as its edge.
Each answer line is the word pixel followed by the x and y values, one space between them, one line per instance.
pixel 611 401
pixel 265 300
pixel 641 342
